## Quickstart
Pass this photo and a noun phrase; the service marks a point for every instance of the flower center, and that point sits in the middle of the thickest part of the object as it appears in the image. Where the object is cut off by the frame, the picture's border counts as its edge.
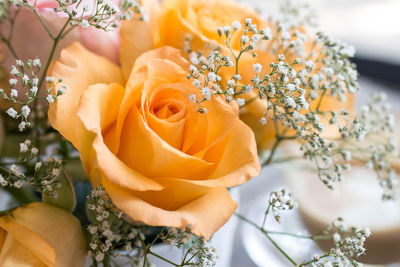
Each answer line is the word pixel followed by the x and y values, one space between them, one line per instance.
pixel 169 109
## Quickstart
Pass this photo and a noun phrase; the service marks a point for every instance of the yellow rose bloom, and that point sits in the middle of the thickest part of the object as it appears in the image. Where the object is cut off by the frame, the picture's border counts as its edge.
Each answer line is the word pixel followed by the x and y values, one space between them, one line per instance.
pixel 200 19
pixel 159 159
pixel 40 235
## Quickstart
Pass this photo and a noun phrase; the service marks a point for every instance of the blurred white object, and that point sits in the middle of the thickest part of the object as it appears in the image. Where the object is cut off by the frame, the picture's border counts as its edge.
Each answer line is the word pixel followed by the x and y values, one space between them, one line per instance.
pixel 372 26
pixel 5 200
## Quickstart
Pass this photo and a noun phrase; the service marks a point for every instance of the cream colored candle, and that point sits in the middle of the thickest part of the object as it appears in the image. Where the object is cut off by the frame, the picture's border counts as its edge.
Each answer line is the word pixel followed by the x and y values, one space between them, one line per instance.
pixel 358 201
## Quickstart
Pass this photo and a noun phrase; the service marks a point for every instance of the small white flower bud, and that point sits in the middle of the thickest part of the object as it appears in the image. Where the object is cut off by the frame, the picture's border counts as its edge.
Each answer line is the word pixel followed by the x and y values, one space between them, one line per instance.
pixel 25 111
pixel 12 113
pixel 257 67
pixel 13 93
pixel 240 101
pixel 236 25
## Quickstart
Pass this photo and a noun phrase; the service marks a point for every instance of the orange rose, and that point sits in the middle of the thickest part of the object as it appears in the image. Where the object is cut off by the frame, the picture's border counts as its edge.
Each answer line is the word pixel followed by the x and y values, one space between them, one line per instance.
pixel 41 235
pixel 160 160
pixel 200 19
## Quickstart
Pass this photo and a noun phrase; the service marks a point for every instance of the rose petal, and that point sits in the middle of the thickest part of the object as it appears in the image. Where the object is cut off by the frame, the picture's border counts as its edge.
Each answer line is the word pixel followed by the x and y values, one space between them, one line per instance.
pixel 79 68
pixel 98 113
pixel 201 208
pixel 146 152
pixel 40 228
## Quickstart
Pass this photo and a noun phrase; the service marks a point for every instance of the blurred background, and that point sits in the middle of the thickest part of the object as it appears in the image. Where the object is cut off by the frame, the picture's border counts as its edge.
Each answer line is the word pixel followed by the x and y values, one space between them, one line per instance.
pixel 373 28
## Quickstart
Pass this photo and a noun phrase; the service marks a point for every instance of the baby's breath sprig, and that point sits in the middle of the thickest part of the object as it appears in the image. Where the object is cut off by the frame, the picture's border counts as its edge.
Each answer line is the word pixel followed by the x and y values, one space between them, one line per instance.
pixel 111 236
pixel 23 90
pixel 279 201
pixel 371 138
pixel 44 177
pixel 349 245
pixel 108 232
pixel 196 251
pixel 348 241
pixel 104 14
pixel 295 13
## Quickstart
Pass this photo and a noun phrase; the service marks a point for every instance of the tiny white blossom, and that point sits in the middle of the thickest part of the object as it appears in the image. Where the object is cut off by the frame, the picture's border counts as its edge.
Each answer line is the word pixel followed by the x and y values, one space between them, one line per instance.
pixel 291 87
pixel 336 237
pixel 192 98
pixel 346 155
pixel 263 121
pixel 212 76
pixel 12 113
pixel 267 33
pixel 14 71
pixel 227 30
pixel 313 95
pixel 240 101
pixel 244 39
pixel 237 77
pixel 37 63
pixel 34 90
pixel 256 38
pixel 18 184
pixel 248 21
pixel 50 99
pixel 3 182
pixel 25 79
pixel 38 165
pixel 257 67
pixel 236 25
pixel 21 126
pixel 25 111
pixel 285 35
pixel 13 93
pixel 49 79
pixel 19 62
pixel 62 90
pixel 55 172
pixel 34 151
pixel 23 147
pixel 196 83
pixel 85 24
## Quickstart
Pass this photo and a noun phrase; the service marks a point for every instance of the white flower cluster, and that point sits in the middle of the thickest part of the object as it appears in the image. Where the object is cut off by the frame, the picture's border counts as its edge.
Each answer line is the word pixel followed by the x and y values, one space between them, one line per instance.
pixel 54 89
pixel 23 90
pixel 102 14
pixel 349 244
pixel 44 177
pixel 206 71
pixel 109 233
pixel 22 84
pixel 47 177
pixel 295 13
pixel 280 201
pixel 197 251
pixel 374 129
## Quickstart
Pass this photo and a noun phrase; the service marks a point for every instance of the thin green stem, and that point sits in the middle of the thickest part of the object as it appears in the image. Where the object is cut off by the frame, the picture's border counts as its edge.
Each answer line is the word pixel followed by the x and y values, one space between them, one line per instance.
pixel 41 20
pixel 265 216
pixel 281 250
pixel 273 150
pixel 320 100
pixel 107 260
pixel 9 46
pixel 266 233
pixel 311 261
pixel 162 258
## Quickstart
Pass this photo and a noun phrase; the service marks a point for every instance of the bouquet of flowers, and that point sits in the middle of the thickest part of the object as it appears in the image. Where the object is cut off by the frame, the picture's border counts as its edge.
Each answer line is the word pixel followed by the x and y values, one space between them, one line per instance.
pixel 127 122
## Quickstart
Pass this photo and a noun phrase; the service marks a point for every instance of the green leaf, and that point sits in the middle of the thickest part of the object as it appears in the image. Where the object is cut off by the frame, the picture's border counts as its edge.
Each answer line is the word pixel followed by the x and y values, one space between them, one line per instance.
pixel 66 198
